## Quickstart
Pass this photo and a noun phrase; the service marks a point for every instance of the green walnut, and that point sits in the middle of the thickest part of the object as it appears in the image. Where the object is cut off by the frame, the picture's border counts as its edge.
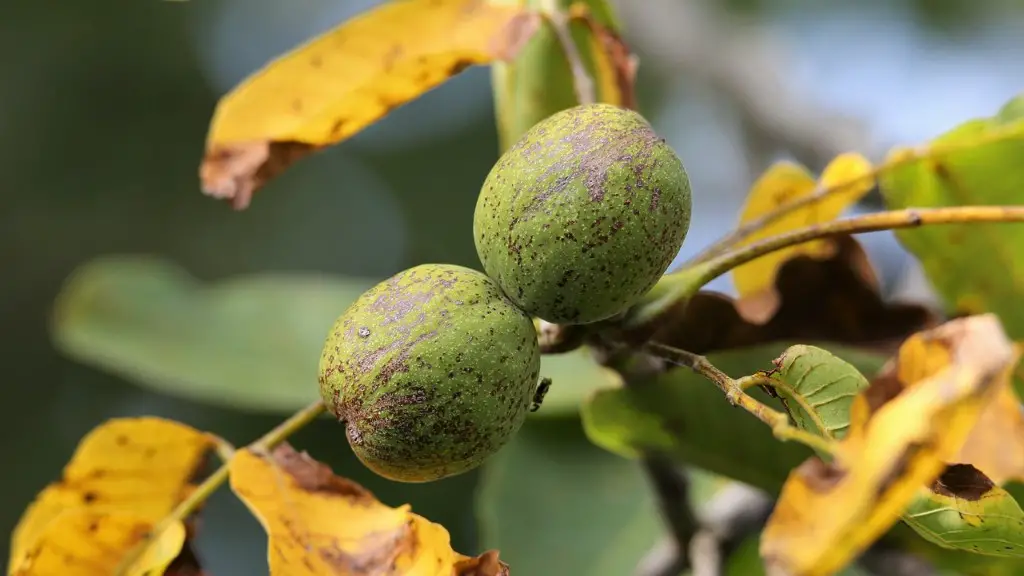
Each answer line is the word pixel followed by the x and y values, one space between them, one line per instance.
pixel 583 215
pixel 432 371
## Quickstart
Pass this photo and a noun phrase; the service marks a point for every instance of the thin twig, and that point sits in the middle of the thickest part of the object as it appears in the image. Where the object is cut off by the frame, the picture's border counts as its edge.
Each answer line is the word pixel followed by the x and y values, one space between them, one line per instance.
pixel 777 421
pixel 674 289
pixel 214 481
pixel 822 192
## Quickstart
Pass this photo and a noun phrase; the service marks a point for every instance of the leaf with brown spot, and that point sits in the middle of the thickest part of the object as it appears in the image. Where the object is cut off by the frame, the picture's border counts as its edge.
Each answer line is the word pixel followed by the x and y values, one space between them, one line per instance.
pixel 340 82
pixel 319 523
pixel 125 476
pixel 843 182
pixel 964 510
pixel 82 542
pixel 831 300
pixel 827 514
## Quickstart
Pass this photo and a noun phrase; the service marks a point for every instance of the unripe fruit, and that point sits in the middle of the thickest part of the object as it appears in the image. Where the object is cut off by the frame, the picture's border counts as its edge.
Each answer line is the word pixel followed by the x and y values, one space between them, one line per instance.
pixel 432 371
pixel 583 215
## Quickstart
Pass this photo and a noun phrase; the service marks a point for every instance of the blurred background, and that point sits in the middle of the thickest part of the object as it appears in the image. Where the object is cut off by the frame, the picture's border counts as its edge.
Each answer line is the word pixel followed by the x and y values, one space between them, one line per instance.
pixel 104 113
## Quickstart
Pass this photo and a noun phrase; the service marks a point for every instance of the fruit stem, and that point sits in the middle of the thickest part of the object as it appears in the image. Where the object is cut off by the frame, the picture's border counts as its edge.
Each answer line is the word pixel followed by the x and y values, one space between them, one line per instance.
pixel 679 286
pixel 735 394
pixel 268 441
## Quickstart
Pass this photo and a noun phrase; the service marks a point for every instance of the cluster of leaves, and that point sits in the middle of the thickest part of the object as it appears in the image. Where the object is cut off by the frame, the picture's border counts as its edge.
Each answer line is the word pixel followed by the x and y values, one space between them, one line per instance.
pixel 879 415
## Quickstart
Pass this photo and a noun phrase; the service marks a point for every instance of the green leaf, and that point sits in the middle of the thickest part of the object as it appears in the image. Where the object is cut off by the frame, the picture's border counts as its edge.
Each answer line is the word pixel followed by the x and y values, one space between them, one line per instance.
pixel 686 417
pixel 818 388
pixel 974 267
pixel 249 343
pixel 964 510
pixel 554 504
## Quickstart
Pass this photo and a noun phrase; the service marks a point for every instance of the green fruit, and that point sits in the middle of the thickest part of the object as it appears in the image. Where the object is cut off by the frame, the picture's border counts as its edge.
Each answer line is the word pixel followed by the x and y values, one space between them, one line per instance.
pixel 583 215
pixel 432 371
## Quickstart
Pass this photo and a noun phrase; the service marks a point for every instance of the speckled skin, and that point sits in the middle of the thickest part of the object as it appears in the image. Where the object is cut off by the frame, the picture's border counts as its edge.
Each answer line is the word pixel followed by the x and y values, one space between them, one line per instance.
pixel 583 215
pixel 432 371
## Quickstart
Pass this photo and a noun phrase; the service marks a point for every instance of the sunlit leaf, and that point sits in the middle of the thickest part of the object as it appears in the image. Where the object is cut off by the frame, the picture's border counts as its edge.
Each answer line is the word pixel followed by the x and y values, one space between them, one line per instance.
pixel 680 414
pixel 248 343
pixel 829 513
pixel 974 267
pixel 995 445
pixel 338 83
pixel 88 543
pixel 549 481
pixel 847 178
pixel 818 389
pixel 319 523
pixel 539 81
pixel 125 477
pixel 963 510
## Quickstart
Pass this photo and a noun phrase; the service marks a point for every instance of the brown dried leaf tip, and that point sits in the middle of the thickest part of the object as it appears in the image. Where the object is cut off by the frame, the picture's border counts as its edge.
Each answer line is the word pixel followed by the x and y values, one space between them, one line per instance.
pixel 836 299
pixel 319 523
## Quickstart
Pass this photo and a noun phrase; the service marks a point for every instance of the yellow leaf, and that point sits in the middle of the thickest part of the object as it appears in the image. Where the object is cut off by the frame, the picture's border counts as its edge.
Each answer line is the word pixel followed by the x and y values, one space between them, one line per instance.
pixel 126 473
pixel 995 446
pixel 846 179
pixel 319 523
pixel 899 440
pixel 344 80
pixel 88 543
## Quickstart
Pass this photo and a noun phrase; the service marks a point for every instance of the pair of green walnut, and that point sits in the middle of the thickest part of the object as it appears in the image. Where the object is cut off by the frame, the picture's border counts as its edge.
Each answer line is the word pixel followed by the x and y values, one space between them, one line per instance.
pixel 435 369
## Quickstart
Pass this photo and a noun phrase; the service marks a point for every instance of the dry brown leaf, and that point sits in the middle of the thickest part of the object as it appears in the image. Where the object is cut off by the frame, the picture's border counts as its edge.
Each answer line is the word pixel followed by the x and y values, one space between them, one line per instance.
pixel 319 523
pixel 844 181
pixel 344 80
pixel 899 440
pixel 831 300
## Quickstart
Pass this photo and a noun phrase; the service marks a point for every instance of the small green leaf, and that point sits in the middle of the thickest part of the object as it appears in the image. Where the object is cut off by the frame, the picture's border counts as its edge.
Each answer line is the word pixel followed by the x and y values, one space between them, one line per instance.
pixel 964 510
pixel 975 268
pixel 818 388
pixel 249 343
pixel 681 414
pixel 553 503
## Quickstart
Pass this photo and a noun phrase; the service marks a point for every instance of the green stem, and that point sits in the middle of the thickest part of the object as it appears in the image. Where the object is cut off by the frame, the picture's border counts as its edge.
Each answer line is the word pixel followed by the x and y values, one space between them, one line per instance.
pixel 735 394
pixel 214 481
pixel 680 285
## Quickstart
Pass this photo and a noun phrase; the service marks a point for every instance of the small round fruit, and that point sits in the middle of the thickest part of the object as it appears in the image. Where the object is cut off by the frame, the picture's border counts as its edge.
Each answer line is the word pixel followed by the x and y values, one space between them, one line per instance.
pixel 583 215
pixel 432 371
